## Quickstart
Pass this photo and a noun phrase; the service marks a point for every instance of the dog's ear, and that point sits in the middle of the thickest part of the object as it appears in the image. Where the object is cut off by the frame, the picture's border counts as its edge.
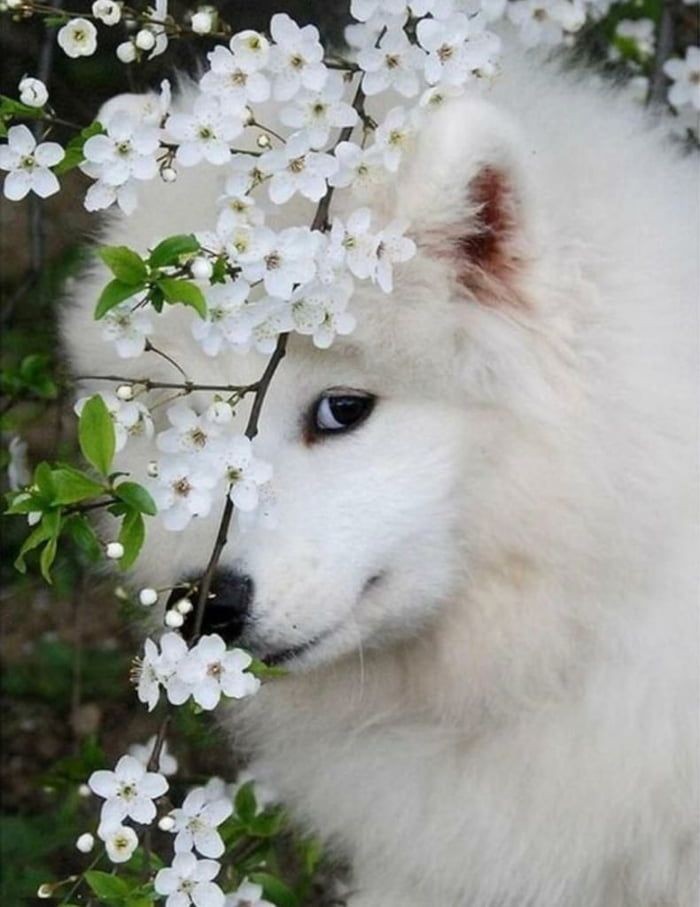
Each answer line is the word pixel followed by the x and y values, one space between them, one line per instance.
pixel 469 199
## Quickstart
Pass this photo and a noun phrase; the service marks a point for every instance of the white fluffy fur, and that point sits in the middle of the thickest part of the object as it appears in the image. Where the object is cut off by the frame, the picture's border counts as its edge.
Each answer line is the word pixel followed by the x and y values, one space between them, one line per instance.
pixel 509 717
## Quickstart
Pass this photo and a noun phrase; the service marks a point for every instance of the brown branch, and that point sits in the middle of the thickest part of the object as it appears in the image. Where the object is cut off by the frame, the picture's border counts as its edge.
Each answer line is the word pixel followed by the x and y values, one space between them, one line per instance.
pixel 187 387
pixel 664 48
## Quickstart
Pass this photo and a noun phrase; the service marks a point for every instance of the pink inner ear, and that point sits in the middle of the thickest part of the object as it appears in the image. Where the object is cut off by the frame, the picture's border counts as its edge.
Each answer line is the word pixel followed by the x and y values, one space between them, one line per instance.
pixel 486 244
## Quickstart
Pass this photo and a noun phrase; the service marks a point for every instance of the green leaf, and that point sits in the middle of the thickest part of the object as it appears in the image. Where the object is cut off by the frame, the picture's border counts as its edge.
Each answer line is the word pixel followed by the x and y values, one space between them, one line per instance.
pixel 262 671
pixel 23 502
pixel 81 532
pixel 136 497
pixel 115 292
pixel 275 890
pixel 47 557
pixel 125 264
pixel 96 434
pixel 75 148
pixel 39 535
pixel 107 886
pixel 183 291
pixel 43 479
pixel 72 486
pixel 169 250
pixel 131 535
pixel 245 803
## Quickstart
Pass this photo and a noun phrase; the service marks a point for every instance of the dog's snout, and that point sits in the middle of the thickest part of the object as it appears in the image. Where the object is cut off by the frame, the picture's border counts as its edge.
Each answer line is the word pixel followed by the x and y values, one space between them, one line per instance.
pixel 228 605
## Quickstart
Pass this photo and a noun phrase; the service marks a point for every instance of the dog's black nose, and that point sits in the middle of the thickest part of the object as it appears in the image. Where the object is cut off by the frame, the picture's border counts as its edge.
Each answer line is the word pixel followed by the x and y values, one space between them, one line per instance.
pixel 228 606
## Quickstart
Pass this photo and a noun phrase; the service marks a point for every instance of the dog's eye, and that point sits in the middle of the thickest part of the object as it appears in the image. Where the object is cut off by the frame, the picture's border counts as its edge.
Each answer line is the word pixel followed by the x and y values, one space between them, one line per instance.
pixel 341 412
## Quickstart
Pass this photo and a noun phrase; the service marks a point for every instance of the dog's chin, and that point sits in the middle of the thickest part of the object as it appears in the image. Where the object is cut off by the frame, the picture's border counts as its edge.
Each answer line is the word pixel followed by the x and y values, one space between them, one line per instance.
pixel 305 656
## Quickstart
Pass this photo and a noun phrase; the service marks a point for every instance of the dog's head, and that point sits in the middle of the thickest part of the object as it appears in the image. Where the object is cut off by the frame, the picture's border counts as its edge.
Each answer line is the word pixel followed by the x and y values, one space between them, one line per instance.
pixel 384 447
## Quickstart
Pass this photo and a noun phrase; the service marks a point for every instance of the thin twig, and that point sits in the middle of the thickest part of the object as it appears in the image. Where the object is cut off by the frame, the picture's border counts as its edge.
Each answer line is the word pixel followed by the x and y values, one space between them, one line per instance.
pixel 187 387
pixel 664 49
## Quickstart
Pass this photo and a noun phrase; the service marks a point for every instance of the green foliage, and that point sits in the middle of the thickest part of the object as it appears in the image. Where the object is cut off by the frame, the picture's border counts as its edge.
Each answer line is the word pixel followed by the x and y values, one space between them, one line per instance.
pixel 171 250
pixel 113 294
pixel 96 434
pixel 11 109
pixel 183 291
pixel 30 378
pixel 74 155
pixel 125 264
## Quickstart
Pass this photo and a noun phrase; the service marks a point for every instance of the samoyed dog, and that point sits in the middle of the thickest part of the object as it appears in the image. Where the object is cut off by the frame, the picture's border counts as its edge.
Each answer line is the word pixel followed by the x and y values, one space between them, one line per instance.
pixel 483 580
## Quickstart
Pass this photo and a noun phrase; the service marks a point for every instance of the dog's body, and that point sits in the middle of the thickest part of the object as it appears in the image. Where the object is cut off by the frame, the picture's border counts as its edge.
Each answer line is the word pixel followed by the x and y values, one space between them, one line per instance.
pixel 503 710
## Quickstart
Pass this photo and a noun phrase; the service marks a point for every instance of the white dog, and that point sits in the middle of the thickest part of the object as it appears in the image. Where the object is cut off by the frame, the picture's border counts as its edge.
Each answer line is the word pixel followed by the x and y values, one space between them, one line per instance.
pixel 483 580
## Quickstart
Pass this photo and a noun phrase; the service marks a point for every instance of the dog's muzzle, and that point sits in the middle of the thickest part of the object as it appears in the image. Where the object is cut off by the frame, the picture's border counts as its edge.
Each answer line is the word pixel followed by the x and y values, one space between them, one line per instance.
pixel 227 608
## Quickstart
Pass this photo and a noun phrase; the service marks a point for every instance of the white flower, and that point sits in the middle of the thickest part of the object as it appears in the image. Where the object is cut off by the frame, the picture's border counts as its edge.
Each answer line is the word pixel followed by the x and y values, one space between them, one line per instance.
pixel 393 136
pixel 78 38
pixel 211 670
pixel 245 172
pixel 251 48
pixel 128 327
pixel 229 318
pixel 189 881
pixel 159 14
pixel 129 792
pixel 18 472
pixel 114 550
pixel 190 433
pixel 642 32
pixel 243 471
pixel 235 79
pixel 238 211
pixel 298 169
pixel 393 248
pixel 107 11
pixel 33 92
pixel 196 823
pixel 362 169
pixel 438 9
pixel 159 668
pixel 220 412
pixel 182 491
pixel 362 10
pixel 101 195
pixel 120 841
pixel 130 418
pixel 458 48
pixel 545 21
pixel 436 95
pixel 28 164
pixel 167 763
pixel 206 133
pixel 320 311
pixel 354 244
pixel 281 260
pixel 685 74
pixel 248 894
pixel 274 320
pixel 317 112
pixel 296 57
pixel 392 65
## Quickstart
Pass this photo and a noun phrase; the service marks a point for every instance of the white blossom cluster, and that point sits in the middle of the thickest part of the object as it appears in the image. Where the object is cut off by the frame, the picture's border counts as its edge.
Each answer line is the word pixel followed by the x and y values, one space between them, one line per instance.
pixel 206 672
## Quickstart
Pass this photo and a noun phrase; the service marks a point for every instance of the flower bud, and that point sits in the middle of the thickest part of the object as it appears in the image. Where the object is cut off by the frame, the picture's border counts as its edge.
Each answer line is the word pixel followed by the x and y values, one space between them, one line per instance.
pixel 220 412
pixel 125 392
pixel 263 141
pixel 33 92
pixel 126 52
pixel 202 22
pixel 114 550
pixel 85 843
pixel 84 791
pixel 168 175
pixel 145 39
pixel 120 592
pixel 174 619
pixel 152 468
pixel 201 268
pixel 184 606
pixel 45 891
pixel 148 596
pixel 167 823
